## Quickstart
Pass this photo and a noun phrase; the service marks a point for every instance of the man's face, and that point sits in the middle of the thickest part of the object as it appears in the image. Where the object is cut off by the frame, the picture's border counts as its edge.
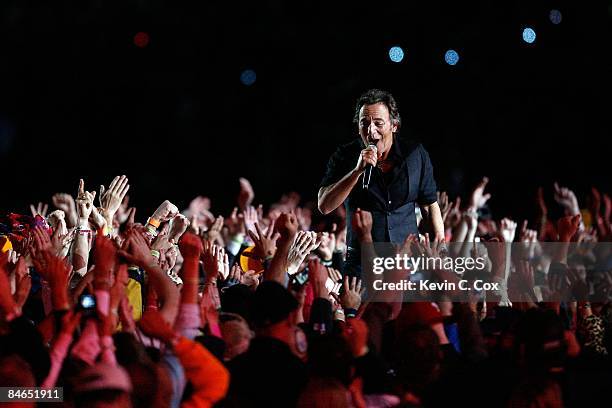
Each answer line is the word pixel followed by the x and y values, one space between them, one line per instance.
pixel 376 126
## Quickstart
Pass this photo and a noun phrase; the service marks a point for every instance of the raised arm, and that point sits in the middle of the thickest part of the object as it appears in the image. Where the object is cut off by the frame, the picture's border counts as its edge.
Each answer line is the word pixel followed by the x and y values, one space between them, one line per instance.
pixel 332 196
pixel 82 239
pixel 136 251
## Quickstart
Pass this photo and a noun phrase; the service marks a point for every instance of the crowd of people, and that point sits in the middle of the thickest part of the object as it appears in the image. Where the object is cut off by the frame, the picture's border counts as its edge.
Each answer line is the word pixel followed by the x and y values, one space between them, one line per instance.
pixel 252 308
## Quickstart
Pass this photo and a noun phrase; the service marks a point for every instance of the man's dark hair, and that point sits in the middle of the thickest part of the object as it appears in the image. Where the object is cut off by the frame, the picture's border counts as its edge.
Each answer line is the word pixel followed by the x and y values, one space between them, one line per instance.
pixel 373 96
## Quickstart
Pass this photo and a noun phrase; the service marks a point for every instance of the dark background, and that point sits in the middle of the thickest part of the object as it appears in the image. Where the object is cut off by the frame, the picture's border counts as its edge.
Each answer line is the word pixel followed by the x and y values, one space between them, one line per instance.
pixel 78 98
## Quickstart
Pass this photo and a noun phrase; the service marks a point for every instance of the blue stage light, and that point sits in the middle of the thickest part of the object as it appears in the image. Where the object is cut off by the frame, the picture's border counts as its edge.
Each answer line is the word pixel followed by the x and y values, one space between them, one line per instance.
pixel 555 16
pixel 529 35
pixel 451 57
pixel 248 77
pixel 396 54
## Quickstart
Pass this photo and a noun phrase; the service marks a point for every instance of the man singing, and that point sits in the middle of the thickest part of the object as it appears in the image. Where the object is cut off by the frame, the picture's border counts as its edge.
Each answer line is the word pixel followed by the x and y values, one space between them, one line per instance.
pixel 401 175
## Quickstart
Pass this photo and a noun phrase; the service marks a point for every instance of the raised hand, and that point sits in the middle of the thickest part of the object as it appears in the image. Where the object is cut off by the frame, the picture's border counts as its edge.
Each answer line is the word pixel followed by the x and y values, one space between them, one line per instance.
pixel 431 249
pixel 165 212
pixel 40 240
pixel 199 205
pixel 567 199
pixel 317 276
pixel 327 245
pixel 135 250
pixel 84 205
pixel 478 198
pixel 66 203
pixel 23 282
pixel 362 225
pixel 409 245
pixel 265 243
pixel 250 279
pixel 123 212
pixel 453 217
pixel 249 215
pixel 131 216
pixel 350 297
pixel 191 246
pixel 223 261
pixel 246 195
pixel 214 232
pixel 287 226
pixel 234 223
pixel 305 242
pixel 162 241
pixel 446 206
pixel 57 221
pixel 40 209
pixel 234 276
pixel 111 198
pixel 216 262
pixel 179 226
pixel 167 262
pixel 507 229
pixel 528 238
pixel 57 272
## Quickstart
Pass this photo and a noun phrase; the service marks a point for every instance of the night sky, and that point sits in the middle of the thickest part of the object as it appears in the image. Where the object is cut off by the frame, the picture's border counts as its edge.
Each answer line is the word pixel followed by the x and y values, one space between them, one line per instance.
pixel 83 96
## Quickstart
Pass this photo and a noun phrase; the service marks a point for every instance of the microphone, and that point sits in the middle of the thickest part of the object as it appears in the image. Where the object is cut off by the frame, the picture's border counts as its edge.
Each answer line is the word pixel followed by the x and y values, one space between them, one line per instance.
pixel 368 171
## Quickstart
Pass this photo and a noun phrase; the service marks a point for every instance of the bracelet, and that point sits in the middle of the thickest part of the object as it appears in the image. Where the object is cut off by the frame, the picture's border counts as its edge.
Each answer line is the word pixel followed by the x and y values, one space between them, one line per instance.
pixel 154 222
pixel 350 312
pixel 151 230
pixel 155 253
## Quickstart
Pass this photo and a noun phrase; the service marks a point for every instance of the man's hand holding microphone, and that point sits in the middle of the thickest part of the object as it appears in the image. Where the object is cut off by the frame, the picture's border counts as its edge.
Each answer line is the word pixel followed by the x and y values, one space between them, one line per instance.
pixel 366 162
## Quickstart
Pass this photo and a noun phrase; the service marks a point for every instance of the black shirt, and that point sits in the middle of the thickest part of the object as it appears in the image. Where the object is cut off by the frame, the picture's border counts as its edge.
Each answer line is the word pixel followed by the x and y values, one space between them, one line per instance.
pixel 391 197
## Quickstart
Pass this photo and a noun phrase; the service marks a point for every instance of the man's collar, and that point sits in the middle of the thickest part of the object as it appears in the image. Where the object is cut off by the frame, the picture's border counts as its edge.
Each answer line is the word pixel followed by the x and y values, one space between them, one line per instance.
pixel 402 147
